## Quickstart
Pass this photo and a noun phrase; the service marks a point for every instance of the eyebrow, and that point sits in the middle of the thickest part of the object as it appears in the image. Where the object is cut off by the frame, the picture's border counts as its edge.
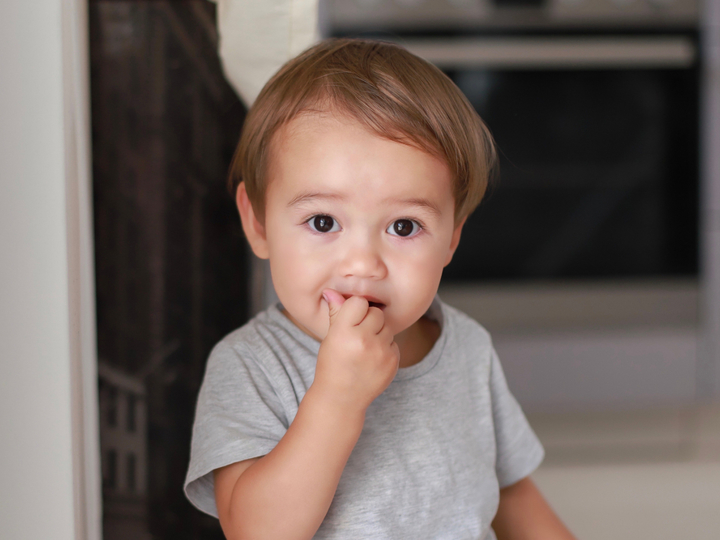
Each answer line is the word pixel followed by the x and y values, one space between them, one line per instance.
pixel 309 196
pixel 314 195
pixel 419 202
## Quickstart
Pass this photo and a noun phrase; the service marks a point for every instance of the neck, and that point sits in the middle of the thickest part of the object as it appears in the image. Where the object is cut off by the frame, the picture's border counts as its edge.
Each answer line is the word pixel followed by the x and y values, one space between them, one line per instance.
pixel 417 341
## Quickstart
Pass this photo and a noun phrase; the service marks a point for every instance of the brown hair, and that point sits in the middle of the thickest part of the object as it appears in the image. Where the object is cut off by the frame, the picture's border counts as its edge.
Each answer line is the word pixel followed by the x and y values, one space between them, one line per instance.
pixel 391 92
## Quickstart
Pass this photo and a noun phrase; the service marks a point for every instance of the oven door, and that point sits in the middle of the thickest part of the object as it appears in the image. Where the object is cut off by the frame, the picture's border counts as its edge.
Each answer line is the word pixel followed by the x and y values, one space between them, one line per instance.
pixel 598 143
pixel 583 259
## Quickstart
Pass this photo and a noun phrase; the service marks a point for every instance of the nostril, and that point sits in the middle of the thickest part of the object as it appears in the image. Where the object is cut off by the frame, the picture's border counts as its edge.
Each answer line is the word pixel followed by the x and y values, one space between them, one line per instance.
pixel 362 262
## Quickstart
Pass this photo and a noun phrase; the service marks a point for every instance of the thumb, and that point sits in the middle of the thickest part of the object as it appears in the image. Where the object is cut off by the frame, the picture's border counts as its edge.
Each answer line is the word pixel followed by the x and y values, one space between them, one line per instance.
pixel 334 300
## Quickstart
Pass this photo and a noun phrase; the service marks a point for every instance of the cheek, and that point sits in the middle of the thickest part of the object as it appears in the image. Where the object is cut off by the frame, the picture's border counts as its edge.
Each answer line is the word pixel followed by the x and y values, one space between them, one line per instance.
pixel 418 277
pixel 426 264
pixel 297 270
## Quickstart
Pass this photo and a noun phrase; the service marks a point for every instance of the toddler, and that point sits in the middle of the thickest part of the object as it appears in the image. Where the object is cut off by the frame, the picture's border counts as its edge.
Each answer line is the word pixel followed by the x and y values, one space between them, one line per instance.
pixel 361 406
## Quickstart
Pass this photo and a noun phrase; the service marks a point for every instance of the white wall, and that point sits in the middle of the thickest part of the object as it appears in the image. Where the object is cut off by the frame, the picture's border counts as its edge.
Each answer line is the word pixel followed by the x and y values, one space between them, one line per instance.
pixel 41 390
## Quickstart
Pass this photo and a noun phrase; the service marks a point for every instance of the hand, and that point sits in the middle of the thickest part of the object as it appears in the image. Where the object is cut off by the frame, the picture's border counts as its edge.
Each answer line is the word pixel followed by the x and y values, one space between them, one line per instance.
pixel 358 358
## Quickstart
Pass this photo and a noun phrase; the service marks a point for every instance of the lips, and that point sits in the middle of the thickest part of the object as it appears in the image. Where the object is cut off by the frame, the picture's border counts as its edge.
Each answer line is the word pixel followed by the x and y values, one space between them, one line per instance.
pixel 373 301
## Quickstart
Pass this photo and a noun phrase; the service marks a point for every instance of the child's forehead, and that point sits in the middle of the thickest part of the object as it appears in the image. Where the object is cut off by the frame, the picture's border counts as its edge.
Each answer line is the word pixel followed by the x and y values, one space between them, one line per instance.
pixel 312 121
pixel 326 121
pixel 331 157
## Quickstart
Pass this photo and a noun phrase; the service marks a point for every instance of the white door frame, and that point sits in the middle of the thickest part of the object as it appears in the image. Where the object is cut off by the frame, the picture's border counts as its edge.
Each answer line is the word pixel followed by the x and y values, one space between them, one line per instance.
pixel 87 478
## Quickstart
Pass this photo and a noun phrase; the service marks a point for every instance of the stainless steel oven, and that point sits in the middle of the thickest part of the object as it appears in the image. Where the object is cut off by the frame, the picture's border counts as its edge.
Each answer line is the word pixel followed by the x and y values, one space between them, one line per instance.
pixel 584 260
pixel 598 140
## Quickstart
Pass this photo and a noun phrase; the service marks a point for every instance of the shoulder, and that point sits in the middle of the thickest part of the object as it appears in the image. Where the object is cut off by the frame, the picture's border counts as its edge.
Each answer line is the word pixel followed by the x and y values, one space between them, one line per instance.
pixel 269 351
pixel 254 342
pixel 467 344
pixel 240 342
pixel 461 326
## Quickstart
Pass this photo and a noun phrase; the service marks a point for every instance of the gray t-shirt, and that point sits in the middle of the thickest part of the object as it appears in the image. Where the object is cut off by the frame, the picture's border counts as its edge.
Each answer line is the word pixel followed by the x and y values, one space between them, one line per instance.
pixel 436 446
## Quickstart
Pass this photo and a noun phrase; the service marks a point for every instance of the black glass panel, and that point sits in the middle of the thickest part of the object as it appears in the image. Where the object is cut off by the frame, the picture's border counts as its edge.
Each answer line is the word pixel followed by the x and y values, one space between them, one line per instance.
pixel 598 175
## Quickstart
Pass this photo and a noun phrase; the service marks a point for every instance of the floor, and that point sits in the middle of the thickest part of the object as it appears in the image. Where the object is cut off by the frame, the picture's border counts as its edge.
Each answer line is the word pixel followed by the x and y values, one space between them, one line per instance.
pixel 633 475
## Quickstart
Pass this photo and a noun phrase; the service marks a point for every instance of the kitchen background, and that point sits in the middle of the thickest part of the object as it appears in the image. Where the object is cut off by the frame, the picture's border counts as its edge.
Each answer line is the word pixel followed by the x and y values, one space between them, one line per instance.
pixel 611 349
pixel 584 261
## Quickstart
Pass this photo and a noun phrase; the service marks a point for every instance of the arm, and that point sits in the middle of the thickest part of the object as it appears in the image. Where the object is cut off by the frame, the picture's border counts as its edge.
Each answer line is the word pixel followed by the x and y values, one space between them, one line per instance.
pixel 286 494
pixel 523 514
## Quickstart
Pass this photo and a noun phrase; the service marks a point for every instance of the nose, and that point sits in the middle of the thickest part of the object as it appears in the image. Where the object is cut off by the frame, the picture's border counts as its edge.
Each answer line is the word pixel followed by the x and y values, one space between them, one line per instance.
pixel 362 259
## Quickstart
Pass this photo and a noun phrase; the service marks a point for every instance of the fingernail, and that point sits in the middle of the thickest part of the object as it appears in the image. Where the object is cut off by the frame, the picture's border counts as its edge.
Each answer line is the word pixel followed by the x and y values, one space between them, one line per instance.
pixel 325 297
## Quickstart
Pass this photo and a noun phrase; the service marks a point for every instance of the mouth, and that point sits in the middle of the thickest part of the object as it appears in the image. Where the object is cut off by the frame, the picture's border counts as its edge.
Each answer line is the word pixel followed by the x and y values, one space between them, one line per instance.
pixel 371 300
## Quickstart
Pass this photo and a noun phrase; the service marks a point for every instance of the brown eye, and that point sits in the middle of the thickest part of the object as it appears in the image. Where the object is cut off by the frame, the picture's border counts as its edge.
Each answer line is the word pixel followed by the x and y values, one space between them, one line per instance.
pixel 323 224
pixel 403 227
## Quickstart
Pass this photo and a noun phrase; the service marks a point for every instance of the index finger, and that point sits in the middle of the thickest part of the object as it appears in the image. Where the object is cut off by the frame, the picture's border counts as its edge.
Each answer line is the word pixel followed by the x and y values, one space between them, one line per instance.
pixel 353 311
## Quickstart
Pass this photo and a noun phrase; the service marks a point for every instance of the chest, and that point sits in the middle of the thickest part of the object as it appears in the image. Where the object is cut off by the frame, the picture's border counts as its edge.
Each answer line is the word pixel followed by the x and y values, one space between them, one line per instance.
pixel 424 466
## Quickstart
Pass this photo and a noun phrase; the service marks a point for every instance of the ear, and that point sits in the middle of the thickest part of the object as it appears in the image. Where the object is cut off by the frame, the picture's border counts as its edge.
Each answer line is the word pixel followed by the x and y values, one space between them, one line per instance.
pixel 254 230
pixel 454 241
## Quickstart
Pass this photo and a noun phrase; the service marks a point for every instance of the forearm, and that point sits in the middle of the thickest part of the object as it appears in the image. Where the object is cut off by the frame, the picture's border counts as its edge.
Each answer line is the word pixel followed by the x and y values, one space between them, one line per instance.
pixel 524 514
pixel 286 494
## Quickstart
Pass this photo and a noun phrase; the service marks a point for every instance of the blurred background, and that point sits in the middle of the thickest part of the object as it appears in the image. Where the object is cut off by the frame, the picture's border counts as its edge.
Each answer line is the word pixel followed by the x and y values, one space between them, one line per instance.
pixel 594 260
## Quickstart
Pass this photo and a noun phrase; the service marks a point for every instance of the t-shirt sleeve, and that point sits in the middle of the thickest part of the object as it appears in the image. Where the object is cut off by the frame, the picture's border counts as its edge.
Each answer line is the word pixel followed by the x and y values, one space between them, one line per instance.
pixel 238 417
pixel 519 452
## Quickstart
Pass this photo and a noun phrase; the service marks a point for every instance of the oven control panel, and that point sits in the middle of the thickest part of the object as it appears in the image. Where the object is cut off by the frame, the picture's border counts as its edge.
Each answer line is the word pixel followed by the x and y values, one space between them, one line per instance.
pixel 400 15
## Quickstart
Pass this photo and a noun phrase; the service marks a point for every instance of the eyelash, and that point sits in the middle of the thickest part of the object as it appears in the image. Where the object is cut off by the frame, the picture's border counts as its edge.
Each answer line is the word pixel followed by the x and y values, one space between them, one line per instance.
pixel 418 223
pixel 309 221
pixel 413 235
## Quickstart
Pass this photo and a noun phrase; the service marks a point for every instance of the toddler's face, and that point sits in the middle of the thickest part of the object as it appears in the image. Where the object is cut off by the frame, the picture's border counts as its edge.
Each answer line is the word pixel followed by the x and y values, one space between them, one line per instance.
pixel 365 216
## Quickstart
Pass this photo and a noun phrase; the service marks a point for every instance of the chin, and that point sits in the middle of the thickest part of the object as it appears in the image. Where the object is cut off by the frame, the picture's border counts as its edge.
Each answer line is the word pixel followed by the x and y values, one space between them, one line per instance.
pixel 397 327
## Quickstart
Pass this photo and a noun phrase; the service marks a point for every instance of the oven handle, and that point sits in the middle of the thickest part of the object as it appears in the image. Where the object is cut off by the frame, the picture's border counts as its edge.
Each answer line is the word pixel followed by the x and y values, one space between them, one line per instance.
pixel 557 52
